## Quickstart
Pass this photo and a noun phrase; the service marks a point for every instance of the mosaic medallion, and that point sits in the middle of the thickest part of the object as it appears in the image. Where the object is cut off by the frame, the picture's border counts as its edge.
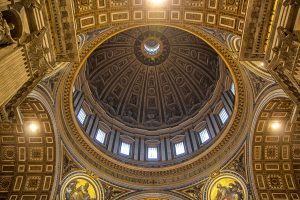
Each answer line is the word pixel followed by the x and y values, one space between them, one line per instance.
pixel 79 186
pixel 227 187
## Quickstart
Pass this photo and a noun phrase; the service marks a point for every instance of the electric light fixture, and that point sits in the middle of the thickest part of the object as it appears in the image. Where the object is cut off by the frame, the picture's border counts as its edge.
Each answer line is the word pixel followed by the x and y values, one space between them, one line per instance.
pixel 276 125
pixel 33 127
pixel 157 2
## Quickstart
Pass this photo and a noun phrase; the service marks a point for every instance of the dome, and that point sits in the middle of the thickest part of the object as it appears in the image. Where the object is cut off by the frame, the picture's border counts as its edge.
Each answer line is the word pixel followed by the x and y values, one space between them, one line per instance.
pixel 153 93
pixel 149 100
pixel 152 77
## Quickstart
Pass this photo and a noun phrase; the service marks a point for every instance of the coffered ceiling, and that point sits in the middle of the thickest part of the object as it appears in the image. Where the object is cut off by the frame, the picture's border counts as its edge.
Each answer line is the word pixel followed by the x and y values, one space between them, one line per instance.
pixel 222 14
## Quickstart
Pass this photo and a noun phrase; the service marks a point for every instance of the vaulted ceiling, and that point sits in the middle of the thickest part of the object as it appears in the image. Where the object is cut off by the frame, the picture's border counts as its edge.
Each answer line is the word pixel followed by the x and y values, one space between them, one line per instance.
pixel 257 40
pixel 153 92
pixel 222 14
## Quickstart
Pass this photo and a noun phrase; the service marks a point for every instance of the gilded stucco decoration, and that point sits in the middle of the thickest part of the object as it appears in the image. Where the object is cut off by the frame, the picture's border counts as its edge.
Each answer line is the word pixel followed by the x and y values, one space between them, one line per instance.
pixel 222 14
pixel 69 165
pixel 232 177
pixel 258 83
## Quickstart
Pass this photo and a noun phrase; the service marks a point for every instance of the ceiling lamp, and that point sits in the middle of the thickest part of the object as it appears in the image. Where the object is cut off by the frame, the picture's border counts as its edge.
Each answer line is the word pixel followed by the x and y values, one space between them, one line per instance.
pixel 33 127
pixel 157 2
pixel 276 125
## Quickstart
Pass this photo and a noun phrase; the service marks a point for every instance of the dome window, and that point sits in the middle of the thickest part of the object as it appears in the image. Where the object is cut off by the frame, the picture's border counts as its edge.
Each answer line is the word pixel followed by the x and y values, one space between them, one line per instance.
pixel 223 115
pixel 179 148
pixel 152 153
pixel 100 136
pixel 81 116
pixel 232 89
pixel 125 148
pixel 204 135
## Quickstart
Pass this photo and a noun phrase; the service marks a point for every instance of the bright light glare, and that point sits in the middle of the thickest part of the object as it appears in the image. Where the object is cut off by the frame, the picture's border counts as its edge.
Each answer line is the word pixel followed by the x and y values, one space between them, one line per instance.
pixel 276 125
pixel 152 50
pixel 33 127
pixel 262 64
pixel 157 2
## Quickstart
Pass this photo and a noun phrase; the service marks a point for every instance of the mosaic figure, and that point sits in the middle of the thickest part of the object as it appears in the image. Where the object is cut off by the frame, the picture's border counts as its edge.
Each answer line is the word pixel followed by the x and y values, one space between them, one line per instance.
pixel 79 190
pixel 227 189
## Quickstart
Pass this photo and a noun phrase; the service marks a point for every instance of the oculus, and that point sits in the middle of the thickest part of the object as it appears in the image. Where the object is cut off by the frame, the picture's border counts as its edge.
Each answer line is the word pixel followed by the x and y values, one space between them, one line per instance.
pixel 152 48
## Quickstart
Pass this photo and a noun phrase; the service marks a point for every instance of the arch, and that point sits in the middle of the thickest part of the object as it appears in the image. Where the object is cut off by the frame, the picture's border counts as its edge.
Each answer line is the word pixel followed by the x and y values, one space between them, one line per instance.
pixel 28 153
pixel 271 168
pixel 47 101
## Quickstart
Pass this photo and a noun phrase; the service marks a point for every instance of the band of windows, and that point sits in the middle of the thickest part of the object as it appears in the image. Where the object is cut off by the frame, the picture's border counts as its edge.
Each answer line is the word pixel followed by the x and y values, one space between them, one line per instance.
pixel 154 153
